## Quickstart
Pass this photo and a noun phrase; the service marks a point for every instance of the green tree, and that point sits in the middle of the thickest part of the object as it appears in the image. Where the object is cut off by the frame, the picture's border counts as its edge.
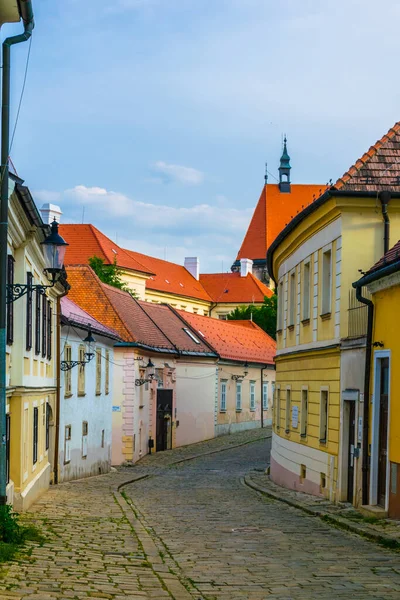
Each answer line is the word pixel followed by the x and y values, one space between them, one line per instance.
pixel 264 316
pixel 110 274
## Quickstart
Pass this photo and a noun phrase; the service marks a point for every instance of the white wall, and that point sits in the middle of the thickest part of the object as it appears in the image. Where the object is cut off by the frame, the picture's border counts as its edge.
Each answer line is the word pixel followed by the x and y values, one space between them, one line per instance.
pixel 96 410
pixel 195 401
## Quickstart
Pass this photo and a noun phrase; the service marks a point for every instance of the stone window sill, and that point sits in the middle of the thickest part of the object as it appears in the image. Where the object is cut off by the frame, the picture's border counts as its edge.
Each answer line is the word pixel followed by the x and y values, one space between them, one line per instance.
pixel 325 316
pixel 291 327
pixel 305 321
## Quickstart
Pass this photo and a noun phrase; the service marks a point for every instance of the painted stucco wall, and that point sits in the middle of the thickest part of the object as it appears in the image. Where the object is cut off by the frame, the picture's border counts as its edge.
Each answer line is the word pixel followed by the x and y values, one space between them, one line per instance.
pixel 88 407
pixel 195 401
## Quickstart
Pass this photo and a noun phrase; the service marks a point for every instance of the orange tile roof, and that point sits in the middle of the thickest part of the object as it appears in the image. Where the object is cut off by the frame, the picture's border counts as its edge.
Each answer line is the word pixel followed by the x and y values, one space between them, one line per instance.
pixel 170 277
pixel 86 241
pixel 273 211
pixel 231 287
pixel 234 340
pixel 87 291
pixel 378 169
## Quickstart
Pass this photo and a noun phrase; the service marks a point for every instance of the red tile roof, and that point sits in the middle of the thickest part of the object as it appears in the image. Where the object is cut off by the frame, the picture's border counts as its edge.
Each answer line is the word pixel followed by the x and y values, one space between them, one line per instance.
pixel 391 256
pixel 86 241
pixel 231 287
pixel 75 315
pixel 378 169
pixel 273 211
pixel 170 277
pixel 234 340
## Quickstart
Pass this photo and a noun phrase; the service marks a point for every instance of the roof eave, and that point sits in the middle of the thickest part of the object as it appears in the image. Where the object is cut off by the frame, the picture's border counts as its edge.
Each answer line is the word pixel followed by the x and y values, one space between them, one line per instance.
pixel 384 271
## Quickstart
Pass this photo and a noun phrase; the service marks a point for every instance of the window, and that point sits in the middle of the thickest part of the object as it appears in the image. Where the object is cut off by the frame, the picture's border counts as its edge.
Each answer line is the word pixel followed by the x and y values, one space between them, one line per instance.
pixel 306 291
pixel 238 396
pixel 49 329
pixel 81 371
pixel 67 443
pixel 98 371
pixel 326 282
pixel 29 299
pixel 85 429
pixel 280 306
pixel 10 305
pixel 107 385
pixel 277 411
pixel 265 395
pixel 191 335
pixel 8 423
pixel 287 414
pixel 48 409
pixel 35 433
pixel 323 417
pixel 44 326
pixel 292 298
pixel 304 413
pixel 252 395
pixel 223 317
pixel 37 323
pixel 224 385
pixel 67 374
pixel 102 438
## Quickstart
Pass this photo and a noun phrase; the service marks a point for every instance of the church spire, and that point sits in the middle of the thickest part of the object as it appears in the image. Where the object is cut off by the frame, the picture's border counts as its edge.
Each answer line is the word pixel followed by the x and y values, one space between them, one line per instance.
pixel 284 169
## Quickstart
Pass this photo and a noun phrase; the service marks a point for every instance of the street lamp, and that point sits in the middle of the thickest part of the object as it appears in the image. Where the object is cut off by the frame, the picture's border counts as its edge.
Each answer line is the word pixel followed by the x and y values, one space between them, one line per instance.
pixel 245 373
pixel 150 374
pixel 54 248
pixel 67 365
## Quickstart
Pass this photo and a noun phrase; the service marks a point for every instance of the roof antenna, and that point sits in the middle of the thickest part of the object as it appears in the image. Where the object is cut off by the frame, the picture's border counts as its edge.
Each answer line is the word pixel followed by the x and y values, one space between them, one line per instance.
pixel 83 214
pixel 266 173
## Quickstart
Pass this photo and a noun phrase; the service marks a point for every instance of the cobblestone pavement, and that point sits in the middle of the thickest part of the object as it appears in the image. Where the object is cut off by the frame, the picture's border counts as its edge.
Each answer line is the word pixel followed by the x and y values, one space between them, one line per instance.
pixel 229 542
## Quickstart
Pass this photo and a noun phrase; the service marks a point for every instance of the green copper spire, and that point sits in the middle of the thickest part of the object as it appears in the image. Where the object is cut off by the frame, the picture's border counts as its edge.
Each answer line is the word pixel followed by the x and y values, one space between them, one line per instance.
pixel 284 170
pixel 285 158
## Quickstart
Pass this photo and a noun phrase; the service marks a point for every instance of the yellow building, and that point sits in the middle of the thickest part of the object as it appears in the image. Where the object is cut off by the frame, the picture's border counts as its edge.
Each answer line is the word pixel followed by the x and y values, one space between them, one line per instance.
pixel 32 322
pixel 383 481
pixel 160 281
pixel 321 331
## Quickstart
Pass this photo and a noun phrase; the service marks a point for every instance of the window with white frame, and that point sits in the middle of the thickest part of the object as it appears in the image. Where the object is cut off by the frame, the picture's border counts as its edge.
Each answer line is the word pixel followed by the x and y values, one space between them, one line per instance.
pixel 85 430
pixel 67 374
pixel 304 412
pixel 252 395
pixel 323 417
pixel 326 282
pixel 277 408
pixel 67 443
pixel 265 395
pixel 98 371
pixel 292 298
pixel 280 307
pixel 306 290
pixel 288 406
pixel 224 388
pixel 238 395
pixel 81 370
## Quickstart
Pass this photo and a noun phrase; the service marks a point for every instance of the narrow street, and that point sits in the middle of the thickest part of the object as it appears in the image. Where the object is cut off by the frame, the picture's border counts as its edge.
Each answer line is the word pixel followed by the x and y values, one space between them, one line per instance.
pixel 191 531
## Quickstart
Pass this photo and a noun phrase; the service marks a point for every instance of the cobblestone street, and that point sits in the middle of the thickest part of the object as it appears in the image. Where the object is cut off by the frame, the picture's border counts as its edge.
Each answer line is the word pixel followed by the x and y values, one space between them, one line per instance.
pixel 192 531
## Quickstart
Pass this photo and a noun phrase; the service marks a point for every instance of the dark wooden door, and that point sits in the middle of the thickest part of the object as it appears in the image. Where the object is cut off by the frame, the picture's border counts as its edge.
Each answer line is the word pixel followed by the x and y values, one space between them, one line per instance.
pixel 383 431
pixel 164 420
pixel 350 468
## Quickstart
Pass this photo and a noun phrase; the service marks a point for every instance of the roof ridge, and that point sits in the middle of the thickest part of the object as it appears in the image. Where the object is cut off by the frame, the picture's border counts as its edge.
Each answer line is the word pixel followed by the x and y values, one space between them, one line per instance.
pixel 260 285
pixel 366 157
pixel 193 329
pixel 157 326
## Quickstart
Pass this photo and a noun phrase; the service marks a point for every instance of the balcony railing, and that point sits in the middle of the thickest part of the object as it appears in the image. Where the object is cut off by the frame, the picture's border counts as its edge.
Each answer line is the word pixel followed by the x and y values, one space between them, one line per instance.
pixel 358 314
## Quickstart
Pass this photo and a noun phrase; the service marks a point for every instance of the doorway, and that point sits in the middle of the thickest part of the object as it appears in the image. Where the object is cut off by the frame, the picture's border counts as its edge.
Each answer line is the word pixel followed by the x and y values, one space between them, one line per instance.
pixel 380 430
pixel 164 420
pixel 383 431
pixel 350 452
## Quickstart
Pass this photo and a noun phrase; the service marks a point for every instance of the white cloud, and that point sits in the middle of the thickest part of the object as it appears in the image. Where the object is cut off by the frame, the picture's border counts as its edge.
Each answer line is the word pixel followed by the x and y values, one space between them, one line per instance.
pixel 178 173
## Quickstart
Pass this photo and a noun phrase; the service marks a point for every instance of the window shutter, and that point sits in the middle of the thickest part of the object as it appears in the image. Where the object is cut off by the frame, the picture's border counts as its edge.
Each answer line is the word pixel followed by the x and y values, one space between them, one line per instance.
pixel 10 306
pixel 44 326
pixel 37 323
pixel 29 278
pixel 49 329
pixel 35 433
pixel 47 425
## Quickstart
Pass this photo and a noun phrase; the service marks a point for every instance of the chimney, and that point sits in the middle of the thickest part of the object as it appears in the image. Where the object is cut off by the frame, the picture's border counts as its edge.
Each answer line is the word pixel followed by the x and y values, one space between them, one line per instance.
pixel 50 212
pixel 246 266
pixel 192 264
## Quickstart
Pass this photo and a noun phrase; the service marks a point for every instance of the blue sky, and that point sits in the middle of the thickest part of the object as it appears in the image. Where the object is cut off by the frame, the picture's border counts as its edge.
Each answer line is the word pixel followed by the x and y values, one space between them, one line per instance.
pixel 152 119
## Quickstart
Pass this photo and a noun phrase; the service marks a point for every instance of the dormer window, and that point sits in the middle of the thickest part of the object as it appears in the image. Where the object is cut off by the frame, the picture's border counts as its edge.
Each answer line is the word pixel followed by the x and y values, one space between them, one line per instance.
pixel 191 335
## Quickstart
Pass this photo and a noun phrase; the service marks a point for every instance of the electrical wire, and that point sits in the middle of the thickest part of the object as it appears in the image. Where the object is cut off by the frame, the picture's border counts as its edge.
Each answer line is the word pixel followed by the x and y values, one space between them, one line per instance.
pixel 22 94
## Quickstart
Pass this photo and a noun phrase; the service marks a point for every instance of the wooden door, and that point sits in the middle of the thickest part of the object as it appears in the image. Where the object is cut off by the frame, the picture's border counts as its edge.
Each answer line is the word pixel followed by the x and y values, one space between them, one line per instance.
pixel 350 467
pixel 164 420
pixel 383 431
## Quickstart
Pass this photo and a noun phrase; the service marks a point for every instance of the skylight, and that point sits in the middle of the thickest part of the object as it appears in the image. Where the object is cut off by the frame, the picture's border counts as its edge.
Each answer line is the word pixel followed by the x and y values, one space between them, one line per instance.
pixel 191 335
pixel 166 281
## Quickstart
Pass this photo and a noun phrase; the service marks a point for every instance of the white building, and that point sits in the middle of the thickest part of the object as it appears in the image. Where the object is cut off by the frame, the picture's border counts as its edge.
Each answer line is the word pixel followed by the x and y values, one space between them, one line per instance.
pixel 85 394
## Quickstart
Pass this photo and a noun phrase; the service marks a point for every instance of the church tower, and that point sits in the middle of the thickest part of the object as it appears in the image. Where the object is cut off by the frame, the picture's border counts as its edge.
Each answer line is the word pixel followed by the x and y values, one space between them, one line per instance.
pixel 284 170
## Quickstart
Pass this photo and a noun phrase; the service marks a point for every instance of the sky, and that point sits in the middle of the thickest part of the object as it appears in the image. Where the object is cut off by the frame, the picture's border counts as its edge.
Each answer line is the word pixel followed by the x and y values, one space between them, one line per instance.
pixel 153 119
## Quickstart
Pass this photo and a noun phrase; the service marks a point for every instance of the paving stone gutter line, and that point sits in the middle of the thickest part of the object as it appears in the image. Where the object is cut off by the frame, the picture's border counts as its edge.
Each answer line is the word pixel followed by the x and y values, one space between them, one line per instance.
pixel 371 534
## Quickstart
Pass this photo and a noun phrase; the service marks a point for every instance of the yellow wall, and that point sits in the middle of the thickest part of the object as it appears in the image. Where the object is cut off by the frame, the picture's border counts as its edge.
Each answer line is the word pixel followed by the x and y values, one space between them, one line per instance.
pixel 223 309
pixel 386 330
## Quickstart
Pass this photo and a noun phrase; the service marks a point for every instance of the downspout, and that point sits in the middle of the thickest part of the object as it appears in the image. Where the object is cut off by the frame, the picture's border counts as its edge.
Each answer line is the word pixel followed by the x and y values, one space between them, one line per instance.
pixel 367 374
pixel 384 197
pixel 58 389
pixel 27 17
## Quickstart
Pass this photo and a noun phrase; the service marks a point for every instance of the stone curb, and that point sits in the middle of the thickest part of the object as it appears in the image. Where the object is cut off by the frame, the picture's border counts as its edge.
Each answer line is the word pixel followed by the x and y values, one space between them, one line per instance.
pixel 372 535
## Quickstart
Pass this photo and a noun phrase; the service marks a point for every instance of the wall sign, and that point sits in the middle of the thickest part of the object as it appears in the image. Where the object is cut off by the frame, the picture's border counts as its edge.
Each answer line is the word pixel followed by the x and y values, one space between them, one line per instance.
pixel 116 409
pixel 295 417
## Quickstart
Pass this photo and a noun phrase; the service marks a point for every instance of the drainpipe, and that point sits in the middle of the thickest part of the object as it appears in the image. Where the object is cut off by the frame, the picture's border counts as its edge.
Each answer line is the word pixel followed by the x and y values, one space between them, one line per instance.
pixel 384 197
pixel 367 376
pixel 58 390
pixel 27 17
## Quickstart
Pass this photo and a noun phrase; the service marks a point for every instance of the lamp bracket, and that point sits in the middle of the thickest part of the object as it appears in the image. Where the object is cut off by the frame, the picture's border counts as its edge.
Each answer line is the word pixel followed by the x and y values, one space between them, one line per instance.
pixel 67 365
pixel 17 290
pixel 238 377
pixel 142 381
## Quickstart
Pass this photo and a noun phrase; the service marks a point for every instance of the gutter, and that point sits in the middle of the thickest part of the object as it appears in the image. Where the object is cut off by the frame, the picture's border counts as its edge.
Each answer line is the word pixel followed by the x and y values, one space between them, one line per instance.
pixel 385 271
pixel 163 350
